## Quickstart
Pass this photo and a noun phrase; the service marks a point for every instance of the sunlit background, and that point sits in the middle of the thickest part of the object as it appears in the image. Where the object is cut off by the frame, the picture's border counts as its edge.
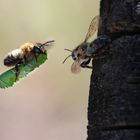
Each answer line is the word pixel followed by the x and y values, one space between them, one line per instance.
pixel 51 102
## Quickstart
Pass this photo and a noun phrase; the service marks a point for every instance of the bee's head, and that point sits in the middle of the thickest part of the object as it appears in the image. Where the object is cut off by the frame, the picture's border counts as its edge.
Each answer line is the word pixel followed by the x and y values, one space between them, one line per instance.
pixel 78 54
pixel 41 47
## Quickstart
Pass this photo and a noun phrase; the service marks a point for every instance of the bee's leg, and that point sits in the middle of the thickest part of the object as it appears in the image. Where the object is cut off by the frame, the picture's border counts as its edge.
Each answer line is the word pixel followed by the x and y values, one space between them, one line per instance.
pixel 24 60
pixel 85 64
pixel 35 55
pixel 20 61
pixel 100 43
pixel 17 71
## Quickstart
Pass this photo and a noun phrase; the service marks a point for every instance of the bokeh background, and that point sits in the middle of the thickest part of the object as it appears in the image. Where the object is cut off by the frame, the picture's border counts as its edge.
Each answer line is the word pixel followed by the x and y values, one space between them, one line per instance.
pixel 51 102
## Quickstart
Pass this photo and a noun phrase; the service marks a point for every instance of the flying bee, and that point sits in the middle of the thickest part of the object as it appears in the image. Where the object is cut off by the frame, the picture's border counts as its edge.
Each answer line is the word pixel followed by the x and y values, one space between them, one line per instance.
pixel 79 55
pixel 25 53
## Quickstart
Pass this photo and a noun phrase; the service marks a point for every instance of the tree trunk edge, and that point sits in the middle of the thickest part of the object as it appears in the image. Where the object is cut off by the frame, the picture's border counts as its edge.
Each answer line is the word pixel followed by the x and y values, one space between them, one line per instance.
pixel 115 81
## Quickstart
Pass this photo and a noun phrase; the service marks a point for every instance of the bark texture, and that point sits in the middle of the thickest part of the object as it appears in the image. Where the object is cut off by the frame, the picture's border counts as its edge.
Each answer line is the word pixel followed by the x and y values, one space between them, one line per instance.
pixel 114 100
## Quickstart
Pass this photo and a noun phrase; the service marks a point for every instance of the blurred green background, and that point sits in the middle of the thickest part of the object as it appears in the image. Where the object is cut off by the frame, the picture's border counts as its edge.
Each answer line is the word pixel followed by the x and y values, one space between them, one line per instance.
pixel 51 102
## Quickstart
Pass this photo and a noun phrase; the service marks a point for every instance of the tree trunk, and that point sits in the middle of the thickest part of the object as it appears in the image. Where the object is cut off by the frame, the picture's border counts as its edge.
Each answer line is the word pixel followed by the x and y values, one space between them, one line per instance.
pixel 114 99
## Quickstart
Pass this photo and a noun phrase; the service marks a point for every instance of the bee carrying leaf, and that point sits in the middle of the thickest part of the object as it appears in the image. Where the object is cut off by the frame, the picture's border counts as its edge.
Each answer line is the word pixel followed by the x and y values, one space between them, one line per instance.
pixel 24 54
pixel 23 60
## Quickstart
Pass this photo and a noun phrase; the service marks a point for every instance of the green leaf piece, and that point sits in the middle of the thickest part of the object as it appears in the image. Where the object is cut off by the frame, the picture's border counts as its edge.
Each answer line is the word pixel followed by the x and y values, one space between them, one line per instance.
pixel 8 78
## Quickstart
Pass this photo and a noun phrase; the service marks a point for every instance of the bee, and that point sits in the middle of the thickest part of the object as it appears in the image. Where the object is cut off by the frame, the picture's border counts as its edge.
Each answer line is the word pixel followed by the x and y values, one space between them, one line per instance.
pixel 79 55
pixel 25 53
pixel 86 51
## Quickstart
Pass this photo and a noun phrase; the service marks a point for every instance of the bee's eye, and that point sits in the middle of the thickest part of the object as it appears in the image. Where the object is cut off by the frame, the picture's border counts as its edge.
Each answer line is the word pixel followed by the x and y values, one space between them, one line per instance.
pixel 73 56
pixel 37 49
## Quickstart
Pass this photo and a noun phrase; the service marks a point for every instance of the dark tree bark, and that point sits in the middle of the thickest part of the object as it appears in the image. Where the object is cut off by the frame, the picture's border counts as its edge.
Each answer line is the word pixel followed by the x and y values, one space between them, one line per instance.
pixel 114 99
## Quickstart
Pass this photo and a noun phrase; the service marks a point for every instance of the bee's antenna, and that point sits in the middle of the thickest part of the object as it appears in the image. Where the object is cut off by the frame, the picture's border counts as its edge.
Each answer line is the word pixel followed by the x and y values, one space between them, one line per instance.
pixel 66 58
pixel 46 43
pixel 68 50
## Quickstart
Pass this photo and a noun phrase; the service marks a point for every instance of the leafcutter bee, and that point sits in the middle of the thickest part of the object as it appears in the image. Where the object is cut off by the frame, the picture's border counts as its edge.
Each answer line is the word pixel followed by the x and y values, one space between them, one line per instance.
pixel 25 53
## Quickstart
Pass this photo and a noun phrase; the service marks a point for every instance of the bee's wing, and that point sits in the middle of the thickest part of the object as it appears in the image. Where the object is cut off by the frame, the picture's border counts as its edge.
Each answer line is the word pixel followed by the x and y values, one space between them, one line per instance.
pixel 75 67
pixel 93 27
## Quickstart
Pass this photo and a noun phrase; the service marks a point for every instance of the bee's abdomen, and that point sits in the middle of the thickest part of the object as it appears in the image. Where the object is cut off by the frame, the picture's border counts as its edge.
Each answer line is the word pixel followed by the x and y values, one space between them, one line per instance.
pixel 10 61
